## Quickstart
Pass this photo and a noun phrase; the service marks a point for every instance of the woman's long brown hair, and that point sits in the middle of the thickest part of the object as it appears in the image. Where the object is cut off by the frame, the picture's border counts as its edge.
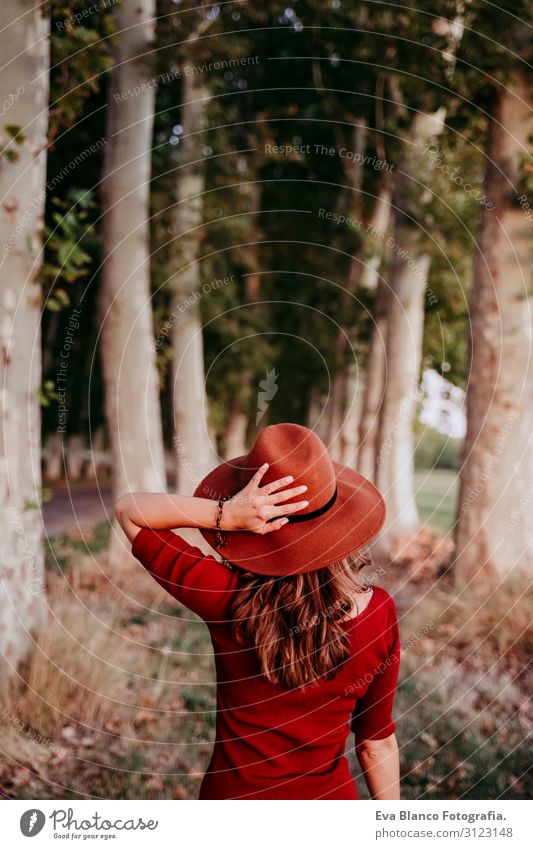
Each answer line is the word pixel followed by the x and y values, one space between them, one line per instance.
pixel 294 622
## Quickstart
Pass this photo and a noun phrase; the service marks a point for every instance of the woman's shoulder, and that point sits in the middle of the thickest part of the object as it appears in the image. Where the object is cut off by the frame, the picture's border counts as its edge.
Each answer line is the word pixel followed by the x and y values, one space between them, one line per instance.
pixel 386 601
pixel 381 591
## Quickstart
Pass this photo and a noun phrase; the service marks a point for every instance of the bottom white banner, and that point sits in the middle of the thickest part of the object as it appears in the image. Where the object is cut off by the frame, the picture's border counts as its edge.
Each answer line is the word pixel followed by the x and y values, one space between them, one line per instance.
pixel 260 824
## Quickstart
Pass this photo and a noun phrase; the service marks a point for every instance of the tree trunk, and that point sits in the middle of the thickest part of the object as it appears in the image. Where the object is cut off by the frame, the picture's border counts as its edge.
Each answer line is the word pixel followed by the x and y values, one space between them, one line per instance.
pixel 25 63
pixel 335 407
pixel 369 402
pixel 377 229
pixel 316 419
pixel 354 397
pixel 52 456
pixel 235 433
pixel 374 386
pixel 242 423
pixel 494 531
pixel 75 456
pixel 349 202
pixel 128 353
pixel 96 466
pixel 394 469
pixel 195 456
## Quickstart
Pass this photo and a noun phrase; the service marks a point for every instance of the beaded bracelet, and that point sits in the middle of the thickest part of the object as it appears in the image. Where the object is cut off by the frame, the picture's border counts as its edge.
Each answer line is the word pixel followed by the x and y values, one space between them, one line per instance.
pixel 221 536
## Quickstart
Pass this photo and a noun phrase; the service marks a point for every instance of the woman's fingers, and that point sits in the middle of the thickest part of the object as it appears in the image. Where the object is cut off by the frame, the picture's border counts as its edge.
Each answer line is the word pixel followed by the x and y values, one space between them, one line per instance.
pixel 274 526
pixel 256 480
pixel 285 495
pixel 275 485
pixel 287 509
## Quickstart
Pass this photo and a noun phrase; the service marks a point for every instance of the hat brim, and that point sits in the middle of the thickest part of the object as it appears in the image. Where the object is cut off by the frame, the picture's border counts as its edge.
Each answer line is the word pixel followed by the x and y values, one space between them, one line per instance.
pixel 351 523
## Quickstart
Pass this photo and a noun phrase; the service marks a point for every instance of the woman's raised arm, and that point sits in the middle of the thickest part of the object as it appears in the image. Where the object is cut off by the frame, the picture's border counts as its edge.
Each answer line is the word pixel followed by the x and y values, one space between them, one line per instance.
pixel 257 509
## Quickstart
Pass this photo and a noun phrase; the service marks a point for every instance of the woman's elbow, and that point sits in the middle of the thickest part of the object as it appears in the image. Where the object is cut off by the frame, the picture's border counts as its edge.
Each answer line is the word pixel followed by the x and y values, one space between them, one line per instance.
pixel 125 516
pixel 120 507
pixel 373 746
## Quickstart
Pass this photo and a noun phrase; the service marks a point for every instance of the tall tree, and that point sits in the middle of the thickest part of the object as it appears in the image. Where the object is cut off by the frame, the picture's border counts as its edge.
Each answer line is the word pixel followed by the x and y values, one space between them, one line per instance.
pixel 240 410
pixel 349 203
pixel 194 454
pixel 25 60
pixel 371 392
pixel 494 536
pixel 408 279
pixel 374 385
pixel 410 259
pixel 127 345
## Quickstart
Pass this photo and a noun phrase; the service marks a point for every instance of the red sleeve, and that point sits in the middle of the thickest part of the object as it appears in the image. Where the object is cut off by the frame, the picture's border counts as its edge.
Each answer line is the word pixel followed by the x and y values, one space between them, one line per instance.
pixel 197 580
pixel 372 715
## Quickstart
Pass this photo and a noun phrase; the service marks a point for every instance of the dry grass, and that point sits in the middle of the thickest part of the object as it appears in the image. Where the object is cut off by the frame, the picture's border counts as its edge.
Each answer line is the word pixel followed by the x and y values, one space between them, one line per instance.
pixel 109 705
pixel 115 705
pixel 66 696
pixel 501 621
pixel 463 707
pixel 73 674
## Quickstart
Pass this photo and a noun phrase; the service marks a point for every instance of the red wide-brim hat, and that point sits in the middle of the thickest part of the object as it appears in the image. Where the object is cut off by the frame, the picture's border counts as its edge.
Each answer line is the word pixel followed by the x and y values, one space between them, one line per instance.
pixel 345 510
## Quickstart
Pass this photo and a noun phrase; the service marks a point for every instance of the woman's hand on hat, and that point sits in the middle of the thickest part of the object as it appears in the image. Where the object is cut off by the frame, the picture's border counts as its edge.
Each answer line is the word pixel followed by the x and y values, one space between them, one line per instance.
pixel 261 509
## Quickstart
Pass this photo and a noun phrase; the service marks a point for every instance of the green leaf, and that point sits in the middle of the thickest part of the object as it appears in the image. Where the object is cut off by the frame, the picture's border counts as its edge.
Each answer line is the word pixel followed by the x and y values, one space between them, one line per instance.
pixel 65 252
pixel 30 505
pixel 15 132
pixel 62 296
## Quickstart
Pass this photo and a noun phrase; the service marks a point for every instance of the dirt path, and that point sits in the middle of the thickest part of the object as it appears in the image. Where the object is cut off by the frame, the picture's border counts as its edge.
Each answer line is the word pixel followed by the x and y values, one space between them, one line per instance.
pixel 76 506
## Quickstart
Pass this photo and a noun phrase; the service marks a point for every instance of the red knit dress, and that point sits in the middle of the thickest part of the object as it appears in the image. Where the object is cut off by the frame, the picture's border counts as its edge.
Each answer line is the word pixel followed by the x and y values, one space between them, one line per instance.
pixel 274 743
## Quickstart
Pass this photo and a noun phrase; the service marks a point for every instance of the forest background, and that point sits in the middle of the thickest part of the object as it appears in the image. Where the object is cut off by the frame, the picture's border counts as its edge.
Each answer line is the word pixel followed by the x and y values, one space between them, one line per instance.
pixel 217 217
